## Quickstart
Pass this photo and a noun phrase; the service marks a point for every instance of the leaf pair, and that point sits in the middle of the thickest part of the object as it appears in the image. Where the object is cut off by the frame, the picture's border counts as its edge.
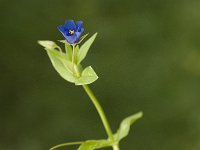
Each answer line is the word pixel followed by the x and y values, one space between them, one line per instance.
pixel 122 132
pixel 62 62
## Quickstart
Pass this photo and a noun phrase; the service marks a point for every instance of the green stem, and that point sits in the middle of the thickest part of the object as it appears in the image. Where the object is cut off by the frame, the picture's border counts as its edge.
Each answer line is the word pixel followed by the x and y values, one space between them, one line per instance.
pixel 100 111
pixel 73 53
pixel 96 103
pixel 101 114
pixel 116 147
pixel 73 57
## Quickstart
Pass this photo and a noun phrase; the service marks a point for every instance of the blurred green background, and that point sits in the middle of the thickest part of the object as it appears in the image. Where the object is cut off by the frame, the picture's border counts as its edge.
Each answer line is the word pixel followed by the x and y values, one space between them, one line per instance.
pixel 147 57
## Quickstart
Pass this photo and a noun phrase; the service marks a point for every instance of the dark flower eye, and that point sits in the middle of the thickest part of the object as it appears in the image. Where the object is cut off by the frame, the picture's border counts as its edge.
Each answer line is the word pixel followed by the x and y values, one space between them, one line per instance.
pixel 71 31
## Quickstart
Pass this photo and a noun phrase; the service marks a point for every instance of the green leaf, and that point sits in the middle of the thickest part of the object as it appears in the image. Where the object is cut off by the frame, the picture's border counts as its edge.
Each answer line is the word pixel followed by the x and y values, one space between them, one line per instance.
pixel 82 38
pixel 65 144
pixel 94 144
pixel 87 76
pixel 48 44
pixel 63 41
pixel 86 145
pixel 84 48
pixel 68 49
pixel 61 65
pixel 124 128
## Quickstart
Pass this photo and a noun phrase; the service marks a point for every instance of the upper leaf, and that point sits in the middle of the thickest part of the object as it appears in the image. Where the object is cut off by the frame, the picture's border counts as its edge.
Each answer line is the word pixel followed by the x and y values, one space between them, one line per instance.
pixel 68 49
pixel 87 76
pixel 61 65
pixel 48 44
pixel 84 48
pixel 62 62
pixel 82 38
pixel 125 126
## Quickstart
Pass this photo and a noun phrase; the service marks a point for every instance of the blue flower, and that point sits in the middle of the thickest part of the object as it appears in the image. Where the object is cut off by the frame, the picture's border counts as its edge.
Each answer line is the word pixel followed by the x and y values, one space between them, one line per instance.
pixel 71 31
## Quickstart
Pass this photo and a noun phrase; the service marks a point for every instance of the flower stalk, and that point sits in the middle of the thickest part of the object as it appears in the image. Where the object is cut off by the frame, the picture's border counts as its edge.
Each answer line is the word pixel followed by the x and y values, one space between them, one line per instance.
pixel 73 54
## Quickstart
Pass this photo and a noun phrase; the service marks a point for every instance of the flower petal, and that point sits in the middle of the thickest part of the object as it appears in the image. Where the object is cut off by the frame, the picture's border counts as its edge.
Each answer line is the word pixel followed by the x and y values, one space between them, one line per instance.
pixel 70 25
pixel 71 30
pixel 71 39
pixel 62 28
pixel 79 25
pixel 78 34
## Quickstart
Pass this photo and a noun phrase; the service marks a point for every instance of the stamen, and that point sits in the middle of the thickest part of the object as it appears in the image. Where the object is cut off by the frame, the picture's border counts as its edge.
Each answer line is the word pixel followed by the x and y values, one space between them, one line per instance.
pixel 71 32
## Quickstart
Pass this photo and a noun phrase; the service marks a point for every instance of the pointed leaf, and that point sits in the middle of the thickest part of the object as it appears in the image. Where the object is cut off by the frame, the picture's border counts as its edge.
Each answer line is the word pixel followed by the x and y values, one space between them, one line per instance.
pixel 85 47
pixel 68 49
pixel 62 66
pixel 65 144
pixel 48 44
pixel 87 76
pixel 124 128
pixel 82 38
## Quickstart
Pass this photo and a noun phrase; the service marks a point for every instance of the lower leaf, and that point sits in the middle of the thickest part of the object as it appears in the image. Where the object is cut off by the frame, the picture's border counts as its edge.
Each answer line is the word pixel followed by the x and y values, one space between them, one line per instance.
pixel 94 144
pixel 65 144
pixel 124 128
pixel 60 66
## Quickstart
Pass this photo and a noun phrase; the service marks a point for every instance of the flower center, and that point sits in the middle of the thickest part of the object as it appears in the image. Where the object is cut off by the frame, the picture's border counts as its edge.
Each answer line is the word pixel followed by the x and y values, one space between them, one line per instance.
pixel 71 32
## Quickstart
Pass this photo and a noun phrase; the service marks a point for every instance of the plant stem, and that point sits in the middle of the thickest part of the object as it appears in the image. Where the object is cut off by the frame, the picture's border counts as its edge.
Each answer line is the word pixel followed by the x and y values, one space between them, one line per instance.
pixel 73 53
pixel 116 147
pixel 96 103
pixel 100 111
pixel 73 57
pixel 101 114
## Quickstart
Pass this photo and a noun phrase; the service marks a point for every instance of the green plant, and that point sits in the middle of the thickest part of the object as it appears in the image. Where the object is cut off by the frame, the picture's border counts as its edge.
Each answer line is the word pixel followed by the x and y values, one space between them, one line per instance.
pixel 68 64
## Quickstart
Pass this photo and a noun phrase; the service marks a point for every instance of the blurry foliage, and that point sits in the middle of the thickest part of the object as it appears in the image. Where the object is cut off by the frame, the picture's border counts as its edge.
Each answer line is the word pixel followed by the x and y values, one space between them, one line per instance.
pixel 150 63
